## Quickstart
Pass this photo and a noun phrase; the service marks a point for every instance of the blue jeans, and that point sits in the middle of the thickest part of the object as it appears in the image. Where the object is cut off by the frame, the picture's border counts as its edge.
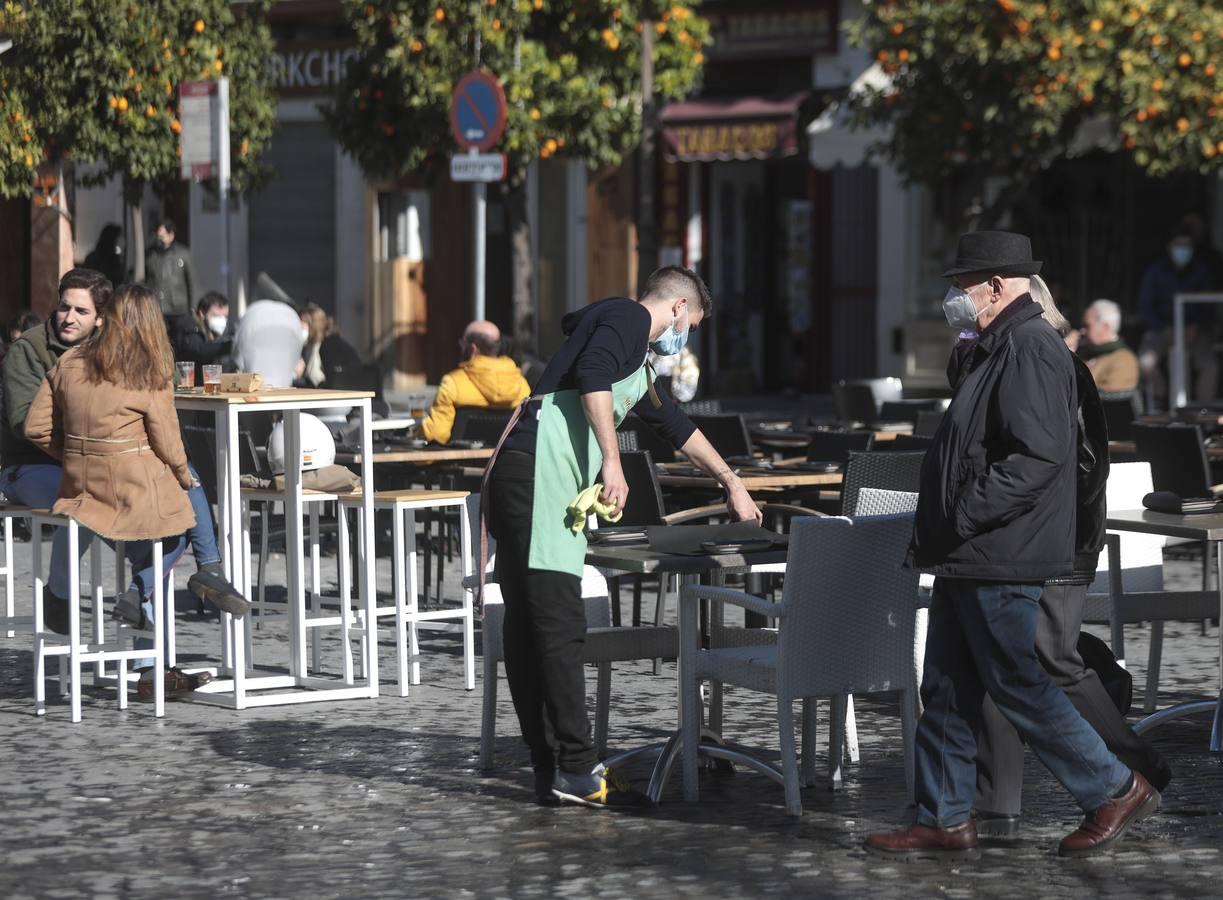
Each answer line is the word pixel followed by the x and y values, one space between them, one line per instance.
pixel 982 638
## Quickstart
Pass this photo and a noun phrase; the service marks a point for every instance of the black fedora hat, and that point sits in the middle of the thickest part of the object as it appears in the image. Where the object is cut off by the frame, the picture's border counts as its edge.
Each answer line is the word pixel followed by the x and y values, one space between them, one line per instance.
pixel 995 252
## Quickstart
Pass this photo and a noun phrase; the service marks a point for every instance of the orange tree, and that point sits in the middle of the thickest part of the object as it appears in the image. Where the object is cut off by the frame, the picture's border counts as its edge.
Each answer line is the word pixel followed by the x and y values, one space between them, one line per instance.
pixel 97 81
pixel 571 70
pixel 997 90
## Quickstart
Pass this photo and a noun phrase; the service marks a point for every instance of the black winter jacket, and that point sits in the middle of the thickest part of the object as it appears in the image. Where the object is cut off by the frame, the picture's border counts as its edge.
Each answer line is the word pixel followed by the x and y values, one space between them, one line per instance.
pixel 998 482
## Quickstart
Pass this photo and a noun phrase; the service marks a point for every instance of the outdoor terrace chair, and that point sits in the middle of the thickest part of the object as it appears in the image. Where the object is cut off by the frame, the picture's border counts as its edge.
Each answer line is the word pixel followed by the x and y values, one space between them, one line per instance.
pixel 928 422
pixel 727 432
pixel 1177 454
pixel 893 471
pixel 835 446
pixel 860 400
pixel 647 438
pixel 845 624
pixel 479 423
pixel 1121 410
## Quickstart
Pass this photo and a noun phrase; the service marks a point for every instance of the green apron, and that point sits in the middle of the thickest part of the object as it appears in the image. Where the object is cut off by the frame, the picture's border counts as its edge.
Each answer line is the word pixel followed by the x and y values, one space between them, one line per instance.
pixel 567 461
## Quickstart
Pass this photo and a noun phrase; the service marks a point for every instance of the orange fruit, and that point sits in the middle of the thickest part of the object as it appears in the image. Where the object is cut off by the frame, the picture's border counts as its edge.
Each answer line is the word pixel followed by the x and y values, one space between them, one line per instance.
pixel 176 126
pixel 113 101
pixel 150 110
pixel 417 46
pixel 1141 115
pixel 902 55
pixel 439 14
pixel 1182 124
pixel 1097 25
pixel 496 24
pixel 898 28
pixel 122 104
pixel 1157 84
pixel 883 56
pixel 535 115
pixel 1184 60
pixel 1054 54
pixel 1209 68
pixel 198 26
pixel 539 4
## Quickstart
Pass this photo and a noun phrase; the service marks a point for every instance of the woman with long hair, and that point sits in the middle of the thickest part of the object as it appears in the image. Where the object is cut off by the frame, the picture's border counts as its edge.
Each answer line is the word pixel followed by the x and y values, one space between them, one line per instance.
pixel 107 411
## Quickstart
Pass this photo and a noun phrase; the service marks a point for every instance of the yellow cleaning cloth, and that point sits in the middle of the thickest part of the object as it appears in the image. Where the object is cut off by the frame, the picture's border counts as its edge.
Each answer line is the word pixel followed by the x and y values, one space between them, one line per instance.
pixel 587 501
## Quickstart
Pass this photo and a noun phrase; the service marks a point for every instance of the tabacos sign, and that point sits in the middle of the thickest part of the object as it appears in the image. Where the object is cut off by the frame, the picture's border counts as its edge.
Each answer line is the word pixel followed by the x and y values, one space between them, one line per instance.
pixel 709 141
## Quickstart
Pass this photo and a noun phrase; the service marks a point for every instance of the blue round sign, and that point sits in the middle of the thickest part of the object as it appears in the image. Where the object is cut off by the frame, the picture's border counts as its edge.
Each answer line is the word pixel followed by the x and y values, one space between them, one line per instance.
pixel 477 111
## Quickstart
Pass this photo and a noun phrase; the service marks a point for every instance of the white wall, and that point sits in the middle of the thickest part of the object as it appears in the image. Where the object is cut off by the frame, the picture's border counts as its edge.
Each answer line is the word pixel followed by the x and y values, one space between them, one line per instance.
pixel 893 279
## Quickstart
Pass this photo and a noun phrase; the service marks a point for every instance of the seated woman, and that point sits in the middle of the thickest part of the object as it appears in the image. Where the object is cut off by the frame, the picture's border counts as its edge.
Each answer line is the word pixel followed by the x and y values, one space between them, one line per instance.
pixel 107 411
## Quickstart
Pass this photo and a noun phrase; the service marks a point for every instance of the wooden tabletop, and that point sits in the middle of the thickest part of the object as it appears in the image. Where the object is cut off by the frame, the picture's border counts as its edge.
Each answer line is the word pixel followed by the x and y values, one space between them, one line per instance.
pixel 442 454
pixel 273 395
pixel 753 480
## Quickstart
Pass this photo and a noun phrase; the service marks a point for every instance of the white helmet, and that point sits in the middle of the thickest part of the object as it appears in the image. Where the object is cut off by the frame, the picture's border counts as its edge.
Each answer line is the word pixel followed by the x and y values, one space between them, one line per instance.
pixel 317 445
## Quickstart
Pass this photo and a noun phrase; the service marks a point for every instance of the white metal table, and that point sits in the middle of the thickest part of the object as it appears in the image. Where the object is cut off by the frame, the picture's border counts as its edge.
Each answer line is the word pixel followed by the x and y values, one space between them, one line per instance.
pixel 236 689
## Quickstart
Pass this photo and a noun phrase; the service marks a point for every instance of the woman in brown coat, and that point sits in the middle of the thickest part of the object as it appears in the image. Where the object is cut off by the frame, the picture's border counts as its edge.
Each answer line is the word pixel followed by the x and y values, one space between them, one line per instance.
pixel 107 411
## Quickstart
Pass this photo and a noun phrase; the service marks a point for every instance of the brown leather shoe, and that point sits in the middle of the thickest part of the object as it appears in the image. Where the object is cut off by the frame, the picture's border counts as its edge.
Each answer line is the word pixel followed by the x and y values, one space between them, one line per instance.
pixel 1103 825
pixel 924 842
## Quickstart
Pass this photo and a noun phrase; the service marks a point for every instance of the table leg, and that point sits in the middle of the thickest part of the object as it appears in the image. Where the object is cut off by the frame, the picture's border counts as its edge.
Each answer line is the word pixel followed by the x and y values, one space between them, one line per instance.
pixel 229 496
pixel 294 544
pixel 368 579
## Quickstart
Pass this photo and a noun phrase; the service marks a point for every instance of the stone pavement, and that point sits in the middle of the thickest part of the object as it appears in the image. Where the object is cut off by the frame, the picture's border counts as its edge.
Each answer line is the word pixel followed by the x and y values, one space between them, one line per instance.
pixel 383 799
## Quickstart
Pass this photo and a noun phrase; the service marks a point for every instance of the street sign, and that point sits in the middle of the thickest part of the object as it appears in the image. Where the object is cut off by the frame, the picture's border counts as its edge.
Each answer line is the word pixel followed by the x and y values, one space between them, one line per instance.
pixel 477 167
pixel 203 111
pixel 477 111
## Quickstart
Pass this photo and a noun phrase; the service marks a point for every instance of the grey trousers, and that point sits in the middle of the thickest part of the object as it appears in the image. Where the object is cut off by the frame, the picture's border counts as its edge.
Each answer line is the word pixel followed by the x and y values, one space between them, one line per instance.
pixel 999 750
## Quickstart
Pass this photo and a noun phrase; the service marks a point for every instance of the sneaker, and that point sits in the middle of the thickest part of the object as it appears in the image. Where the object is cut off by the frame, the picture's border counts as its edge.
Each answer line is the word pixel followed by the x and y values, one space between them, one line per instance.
pixel 129 609
pixel 55 612
pixel 209 583
pixel 601 789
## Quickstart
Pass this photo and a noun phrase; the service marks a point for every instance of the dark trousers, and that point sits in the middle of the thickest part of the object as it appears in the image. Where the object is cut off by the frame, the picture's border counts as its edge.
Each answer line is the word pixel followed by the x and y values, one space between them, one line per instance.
pixel 999 749
pixel 545 628
pixel 981 641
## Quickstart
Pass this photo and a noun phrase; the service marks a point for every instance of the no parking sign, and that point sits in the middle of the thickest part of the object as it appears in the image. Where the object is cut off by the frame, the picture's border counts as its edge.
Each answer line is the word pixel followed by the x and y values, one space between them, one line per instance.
pixel 477 111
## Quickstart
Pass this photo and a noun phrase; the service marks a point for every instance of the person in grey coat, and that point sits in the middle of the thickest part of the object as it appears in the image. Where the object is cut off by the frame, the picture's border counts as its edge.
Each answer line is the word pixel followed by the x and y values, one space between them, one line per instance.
pixel 169 273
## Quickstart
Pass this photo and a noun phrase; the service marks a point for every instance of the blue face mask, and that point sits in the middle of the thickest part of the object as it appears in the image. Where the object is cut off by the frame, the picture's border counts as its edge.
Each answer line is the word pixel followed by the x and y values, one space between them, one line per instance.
pixel 1181 255
pixel 673 339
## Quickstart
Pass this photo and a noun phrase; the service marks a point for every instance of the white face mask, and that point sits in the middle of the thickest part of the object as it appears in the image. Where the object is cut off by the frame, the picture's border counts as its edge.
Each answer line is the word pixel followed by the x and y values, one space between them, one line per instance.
pixel 217 324
pixel 959 309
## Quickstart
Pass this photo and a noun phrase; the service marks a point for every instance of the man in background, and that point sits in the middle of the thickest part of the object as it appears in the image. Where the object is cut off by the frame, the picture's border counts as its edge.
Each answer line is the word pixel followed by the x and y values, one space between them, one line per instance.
pixel 1114 366
pixel 485 378
pixel 169 273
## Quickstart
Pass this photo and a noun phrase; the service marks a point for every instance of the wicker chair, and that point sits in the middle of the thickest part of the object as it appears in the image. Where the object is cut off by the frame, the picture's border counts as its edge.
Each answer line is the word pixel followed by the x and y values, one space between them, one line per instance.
pixel 888 470
pixel 845 623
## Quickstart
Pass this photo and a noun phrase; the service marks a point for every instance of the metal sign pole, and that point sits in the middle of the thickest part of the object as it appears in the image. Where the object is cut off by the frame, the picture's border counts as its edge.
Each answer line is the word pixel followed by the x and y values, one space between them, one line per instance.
pixel 222 132
pixel 479 215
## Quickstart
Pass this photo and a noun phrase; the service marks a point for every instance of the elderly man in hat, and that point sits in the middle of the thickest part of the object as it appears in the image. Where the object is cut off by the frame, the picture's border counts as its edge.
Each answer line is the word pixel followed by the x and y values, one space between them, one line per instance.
pixel 995 520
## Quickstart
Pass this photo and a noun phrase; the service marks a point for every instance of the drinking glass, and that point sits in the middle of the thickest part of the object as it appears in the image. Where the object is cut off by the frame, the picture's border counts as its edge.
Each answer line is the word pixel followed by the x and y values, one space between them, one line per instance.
pixel 184 373
pixel 212 379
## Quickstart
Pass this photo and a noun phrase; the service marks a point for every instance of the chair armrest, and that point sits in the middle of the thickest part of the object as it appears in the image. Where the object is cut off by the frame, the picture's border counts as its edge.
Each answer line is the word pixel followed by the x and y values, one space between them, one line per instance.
pixel 789 461
pixel 699 512
pixel 750 602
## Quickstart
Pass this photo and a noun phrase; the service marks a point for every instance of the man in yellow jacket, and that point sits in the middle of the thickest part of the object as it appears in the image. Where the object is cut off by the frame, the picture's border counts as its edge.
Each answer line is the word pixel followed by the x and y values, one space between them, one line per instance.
pixel 484 378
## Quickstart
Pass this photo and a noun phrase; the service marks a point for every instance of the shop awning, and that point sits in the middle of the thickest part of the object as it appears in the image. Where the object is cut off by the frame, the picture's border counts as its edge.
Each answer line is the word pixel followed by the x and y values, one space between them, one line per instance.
pixel 834 139
pixel 722 129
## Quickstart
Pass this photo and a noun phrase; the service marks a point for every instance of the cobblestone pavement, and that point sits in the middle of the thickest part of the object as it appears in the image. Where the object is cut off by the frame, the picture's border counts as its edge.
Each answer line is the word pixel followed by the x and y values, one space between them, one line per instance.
pixel 383 798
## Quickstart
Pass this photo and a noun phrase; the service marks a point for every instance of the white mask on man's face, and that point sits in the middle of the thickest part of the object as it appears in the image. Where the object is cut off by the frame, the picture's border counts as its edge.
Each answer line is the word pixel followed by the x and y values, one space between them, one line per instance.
pixel 217 324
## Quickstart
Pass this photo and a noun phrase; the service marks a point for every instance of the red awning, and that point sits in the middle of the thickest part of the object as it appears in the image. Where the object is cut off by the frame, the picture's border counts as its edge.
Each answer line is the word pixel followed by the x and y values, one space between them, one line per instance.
pixel 706 130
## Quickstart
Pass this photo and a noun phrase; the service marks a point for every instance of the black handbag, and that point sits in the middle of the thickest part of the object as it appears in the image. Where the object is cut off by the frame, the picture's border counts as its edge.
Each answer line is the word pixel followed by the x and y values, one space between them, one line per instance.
pixel 1117 681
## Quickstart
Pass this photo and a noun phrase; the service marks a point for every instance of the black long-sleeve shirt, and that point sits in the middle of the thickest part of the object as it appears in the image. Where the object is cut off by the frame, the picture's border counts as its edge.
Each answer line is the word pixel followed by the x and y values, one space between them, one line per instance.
pixel 606 342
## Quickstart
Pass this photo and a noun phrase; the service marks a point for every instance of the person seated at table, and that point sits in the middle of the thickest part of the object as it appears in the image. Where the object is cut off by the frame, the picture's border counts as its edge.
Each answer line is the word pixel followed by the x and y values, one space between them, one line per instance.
pixel 32 478
pixel 485 378
pixel 1114 366
pixel 204 337
pixel 106 411
pixel 269 341
pixel 326 354
pixel 562 444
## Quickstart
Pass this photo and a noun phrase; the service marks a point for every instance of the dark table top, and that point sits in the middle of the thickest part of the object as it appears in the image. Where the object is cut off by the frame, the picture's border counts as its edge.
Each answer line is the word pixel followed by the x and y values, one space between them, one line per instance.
pixel 1144 521
pixel 639 559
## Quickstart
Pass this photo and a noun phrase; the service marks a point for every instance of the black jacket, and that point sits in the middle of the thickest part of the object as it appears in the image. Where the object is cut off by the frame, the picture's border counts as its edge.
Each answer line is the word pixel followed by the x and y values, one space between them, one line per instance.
pixel 1091 479
pixel 998 480
pixel 191 343
pixel 170 275
pixel 26 365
